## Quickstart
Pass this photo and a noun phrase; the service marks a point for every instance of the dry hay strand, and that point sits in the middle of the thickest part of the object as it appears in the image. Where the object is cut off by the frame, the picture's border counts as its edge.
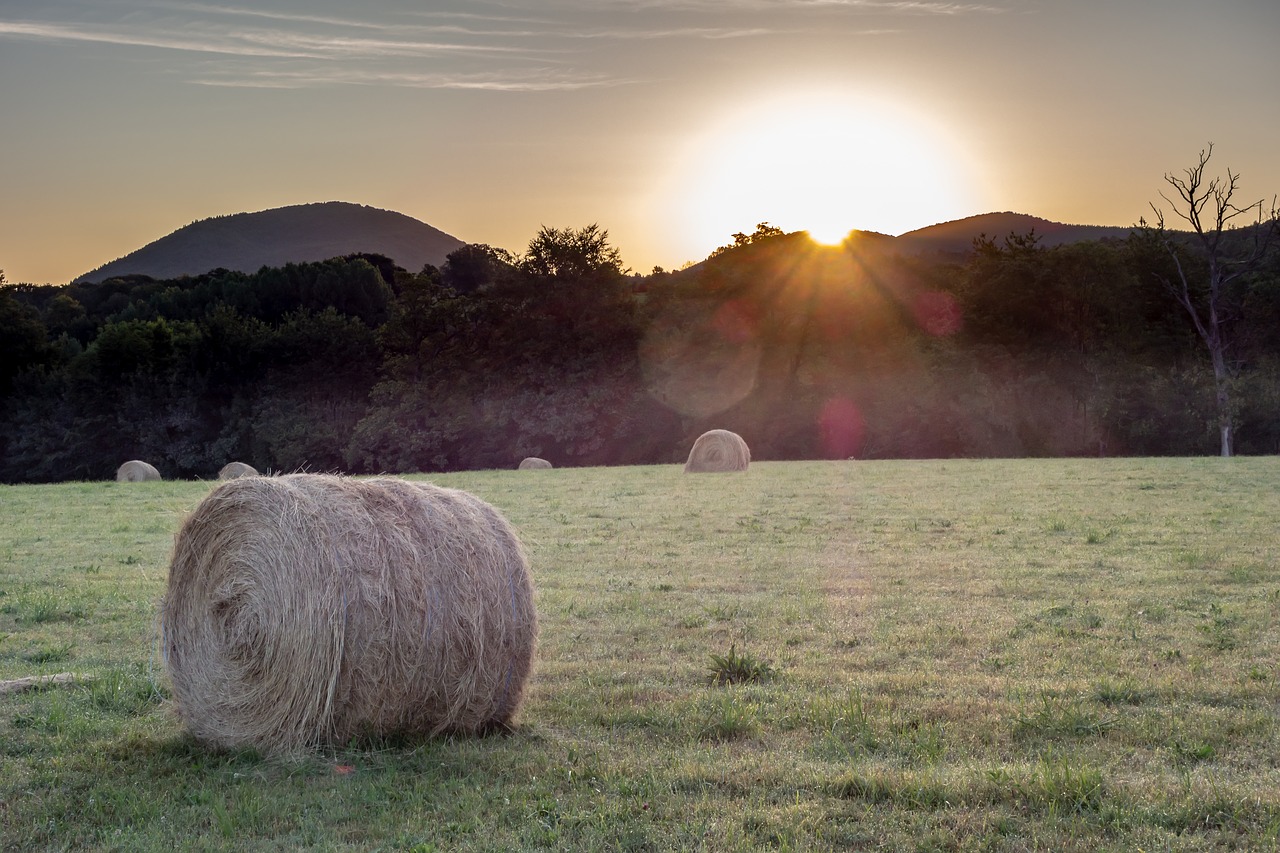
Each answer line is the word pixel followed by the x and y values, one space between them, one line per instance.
pixel 136 471
pixel 718 450
pixel 236 469
pixel 533 463
pixel 40 682
pixel 311 609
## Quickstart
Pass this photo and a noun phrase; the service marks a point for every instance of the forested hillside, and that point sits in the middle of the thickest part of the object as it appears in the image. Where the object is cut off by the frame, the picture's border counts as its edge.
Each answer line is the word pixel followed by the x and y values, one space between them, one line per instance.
pixel 355 364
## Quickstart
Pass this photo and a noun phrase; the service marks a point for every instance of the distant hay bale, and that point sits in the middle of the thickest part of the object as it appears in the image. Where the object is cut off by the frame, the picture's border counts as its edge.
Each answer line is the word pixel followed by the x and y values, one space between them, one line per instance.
pixel 533 463
pixel 136 471
pixel 718 450
pixel 309 609
pixel 237 469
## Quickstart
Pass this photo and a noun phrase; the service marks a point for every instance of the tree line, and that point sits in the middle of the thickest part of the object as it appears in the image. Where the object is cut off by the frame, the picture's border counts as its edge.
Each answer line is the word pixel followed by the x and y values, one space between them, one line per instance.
pixel 354 364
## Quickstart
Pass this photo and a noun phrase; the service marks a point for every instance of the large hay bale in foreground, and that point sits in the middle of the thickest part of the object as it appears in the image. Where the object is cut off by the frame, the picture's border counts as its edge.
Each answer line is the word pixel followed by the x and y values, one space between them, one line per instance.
pixel 310 609
pixel 236 469
pixel 136 471
pixel 533 463
pixel 718 450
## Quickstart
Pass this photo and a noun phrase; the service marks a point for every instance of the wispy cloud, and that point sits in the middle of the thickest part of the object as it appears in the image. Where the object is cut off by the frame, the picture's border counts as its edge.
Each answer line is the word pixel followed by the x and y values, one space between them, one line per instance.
pixel 883 7
pixel 60 32
pixel 309 51
pixel 907 7
pixel 263 42
pixel 291 17
pixel 443 49
pixel 336 47
pixel 401 26
pixel 542 28
pixel 513 81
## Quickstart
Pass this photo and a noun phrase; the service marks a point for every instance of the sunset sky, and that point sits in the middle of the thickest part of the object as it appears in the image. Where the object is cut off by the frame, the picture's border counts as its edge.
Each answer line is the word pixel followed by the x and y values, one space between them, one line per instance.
pixel 671 123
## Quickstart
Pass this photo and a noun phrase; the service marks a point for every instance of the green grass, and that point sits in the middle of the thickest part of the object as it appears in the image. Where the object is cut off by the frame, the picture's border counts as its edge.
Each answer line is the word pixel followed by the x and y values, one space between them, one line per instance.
pixel 947 655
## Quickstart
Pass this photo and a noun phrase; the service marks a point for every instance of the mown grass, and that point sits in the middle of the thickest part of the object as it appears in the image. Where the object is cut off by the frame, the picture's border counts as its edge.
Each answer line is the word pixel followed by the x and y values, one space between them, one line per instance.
pixel 948 655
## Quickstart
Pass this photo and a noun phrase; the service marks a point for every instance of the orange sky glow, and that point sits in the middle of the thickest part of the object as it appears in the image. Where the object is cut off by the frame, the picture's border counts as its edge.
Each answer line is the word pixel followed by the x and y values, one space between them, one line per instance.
pixel 671 123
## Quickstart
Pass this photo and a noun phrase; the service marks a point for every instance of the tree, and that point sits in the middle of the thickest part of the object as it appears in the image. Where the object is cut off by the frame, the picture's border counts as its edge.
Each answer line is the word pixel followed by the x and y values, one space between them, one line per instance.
pixel 1203 284
pixel 764 231
pixel 564 253
pixel 23 338
pixel 475 266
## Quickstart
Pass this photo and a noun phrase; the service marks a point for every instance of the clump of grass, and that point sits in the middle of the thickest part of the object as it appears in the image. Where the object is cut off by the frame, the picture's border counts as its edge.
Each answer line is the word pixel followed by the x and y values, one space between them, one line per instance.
pixel 850 721
pixel 45 606
pixel 1192 752
pixel 1060 786
pixel 1056 717
pixel 1219 629
pixel 123 692
pixel 735 668
pixel 721 612
pixel 1125 693
pixel 899 788
pixel 49 654
pixel 693 620
pixel 1097 537
pixel 730 718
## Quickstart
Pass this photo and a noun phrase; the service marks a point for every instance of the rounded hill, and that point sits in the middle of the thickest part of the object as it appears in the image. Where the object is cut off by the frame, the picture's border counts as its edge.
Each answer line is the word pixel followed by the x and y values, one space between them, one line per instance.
pixel 298 233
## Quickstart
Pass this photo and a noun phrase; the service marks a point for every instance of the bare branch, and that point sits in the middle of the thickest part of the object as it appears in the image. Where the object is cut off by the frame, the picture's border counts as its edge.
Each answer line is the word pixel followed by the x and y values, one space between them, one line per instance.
pixel 1209 209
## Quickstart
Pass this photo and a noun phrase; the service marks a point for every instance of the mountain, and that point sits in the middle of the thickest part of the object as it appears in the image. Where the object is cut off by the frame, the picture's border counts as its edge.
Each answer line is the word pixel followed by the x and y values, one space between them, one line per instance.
pixel 302 232
pixel 954 238
pixel 957 236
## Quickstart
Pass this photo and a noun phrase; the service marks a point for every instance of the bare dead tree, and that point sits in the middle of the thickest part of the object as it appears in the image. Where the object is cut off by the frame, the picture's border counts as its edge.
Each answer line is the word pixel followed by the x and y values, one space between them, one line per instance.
pixel 1206 205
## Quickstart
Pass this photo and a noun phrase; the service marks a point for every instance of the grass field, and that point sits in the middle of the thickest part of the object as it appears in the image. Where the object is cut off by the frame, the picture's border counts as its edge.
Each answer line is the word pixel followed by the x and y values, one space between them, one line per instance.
pixel 950 655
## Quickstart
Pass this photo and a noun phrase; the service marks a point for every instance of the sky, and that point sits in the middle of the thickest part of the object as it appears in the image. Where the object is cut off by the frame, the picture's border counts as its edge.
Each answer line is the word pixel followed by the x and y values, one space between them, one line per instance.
pixel 673 124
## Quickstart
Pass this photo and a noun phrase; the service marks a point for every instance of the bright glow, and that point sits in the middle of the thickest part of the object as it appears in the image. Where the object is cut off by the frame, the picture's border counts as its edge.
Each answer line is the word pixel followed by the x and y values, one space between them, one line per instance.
pixel 822 164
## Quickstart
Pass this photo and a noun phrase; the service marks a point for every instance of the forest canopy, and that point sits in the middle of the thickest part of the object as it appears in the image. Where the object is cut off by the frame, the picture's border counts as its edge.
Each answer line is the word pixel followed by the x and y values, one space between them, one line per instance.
pixel 356 364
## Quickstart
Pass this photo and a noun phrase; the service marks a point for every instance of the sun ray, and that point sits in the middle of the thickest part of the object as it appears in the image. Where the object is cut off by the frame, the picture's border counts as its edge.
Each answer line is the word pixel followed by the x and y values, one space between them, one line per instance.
pixel 825 164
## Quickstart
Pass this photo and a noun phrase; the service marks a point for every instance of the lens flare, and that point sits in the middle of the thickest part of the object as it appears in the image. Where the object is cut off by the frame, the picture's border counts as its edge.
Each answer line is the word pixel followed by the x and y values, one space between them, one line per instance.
pixel 841 428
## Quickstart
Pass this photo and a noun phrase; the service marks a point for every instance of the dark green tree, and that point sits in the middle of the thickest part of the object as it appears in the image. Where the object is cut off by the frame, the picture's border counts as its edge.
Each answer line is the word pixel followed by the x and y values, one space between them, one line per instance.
pixel 476 266
pixel 23 338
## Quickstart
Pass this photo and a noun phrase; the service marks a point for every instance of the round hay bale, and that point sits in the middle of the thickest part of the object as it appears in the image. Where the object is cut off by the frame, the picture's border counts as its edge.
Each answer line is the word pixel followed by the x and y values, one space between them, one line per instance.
pixel 236 469
pixel 533 463
pixel 309 609
pixel 718 450
pixel 136 471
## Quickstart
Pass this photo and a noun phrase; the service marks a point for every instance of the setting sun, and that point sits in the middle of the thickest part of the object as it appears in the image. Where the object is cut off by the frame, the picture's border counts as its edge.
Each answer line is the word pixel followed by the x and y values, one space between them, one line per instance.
pixel 822 164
